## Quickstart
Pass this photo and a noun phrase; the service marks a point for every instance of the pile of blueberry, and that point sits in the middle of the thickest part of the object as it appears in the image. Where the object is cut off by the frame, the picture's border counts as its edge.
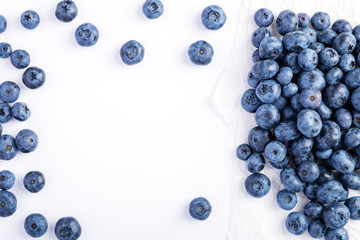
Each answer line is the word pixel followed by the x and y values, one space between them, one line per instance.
pixel 306 99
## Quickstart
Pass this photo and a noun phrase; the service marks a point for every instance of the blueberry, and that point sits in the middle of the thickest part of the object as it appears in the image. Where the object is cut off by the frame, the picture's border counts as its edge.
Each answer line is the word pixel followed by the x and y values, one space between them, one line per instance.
pixel 309 123
pixel 329 136
pixel 287 131
pixel 311 79
pixel 34 181
pixel 9 92
pixel 67 228
pixel 314 209
pixel 330 192
pixel 263 17
pixel 323 154
pixel 34 77
pixel 291 61
pixel 243 152
pixel 296 223
pixel 329 57
pixel 352 137
pixel 351 180
pixel 265 69
pixel 66 11
pixel 311 190
pixel 336 96
pixel 8 147
pixel 304 19
pixel 288 114
pixel 286 200
pixel 20 59
pixel 5 112
pixel 353 204
pixel 320 21
pixel 35 225
pixel 344 43
pixel 324 111
pixel 296 41
pixel 326 37
pixel 342 162
pixel 267 116
pixel 275 151
pixel 86 35
pixel 307 59
pixel 20 111
pixel 335 75
pixel 336 215
pixel 308 171
pixel 317 47
pixel 325 175
pixel 286 22
pixel 268 91
pixel 270 48
pixel 356 32
pixel 255 163
pixel 310 33
pixel 283 164
pixel 257 185
pixel 26 141
pixel 255 56
pixel 341 25
pixel 291 181
pixel 281 103
pixel 340 233
pixel 258 138
pixel 249 101
pixel 310 98
pixel 284 76
pixel 200 208
pixel 253 81
pixel 259 35
pixel 8 203
pixel 3 24
pixel 154 8
pixel 317 228
pixel 30 19
pixel 200 52
pixel 347 63
pixel 302 147
pixel 5 50
pixel 7 180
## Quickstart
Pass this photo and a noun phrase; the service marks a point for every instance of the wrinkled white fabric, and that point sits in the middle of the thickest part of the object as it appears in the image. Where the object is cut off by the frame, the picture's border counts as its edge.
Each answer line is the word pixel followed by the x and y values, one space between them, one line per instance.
pixel 251 218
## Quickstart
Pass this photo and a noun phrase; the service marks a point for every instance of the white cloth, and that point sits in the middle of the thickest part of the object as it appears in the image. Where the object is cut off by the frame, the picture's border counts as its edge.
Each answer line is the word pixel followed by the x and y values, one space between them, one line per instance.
pixel 251 218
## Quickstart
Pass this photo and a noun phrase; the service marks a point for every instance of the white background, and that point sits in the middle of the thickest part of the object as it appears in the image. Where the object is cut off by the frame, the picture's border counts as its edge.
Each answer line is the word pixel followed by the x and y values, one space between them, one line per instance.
pixel 124 149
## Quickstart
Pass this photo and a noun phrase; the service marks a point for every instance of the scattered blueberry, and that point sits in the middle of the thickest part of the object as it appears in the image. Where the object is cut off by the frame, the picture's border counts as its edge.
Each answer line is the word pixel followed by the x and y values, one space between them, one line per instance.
pixel 213 17
pixel 8 203
pixel 257 185
pixel 20 111
pixel 286 200
pixel 26 141
pixel 30 19
pixel 66 11
pixel 20 59
pixel 34 181
pixel 86 35
pixel 35 225
pixel 67 228
pixel 34 77
pixel 3 24
pixel 200 53
pixel 320 21
pixel 9 92
pixel 263 17
pixel 8 147
pixel 296 223
pixel 287 21
pixel 7 180
pixel 5 50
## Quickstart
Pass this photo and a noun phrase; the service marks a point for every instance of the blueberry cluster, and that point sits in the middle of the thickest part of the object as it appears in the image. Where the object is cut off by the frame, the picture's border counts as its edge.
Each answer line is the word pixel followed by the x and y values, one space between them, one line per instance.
pixel 306 98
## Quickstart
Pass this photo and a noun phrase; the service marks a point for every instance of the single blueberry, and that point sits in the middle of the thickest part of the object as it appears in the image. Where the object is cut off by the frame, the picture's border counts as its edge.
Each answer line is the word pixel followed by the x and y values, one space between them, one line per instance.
pixel 258 138
pixel 314 209
pixel 267 116
pixel 255 163
pixel 353 204
pixel 35 225
pixel 308 171
pixel 26 141
pixel 351 180
pixel 281 103
pixel 347 63
pixel 287 131
pixel 304 20
pixel 325 175
pixel 290 90
pixel 326 37
pixel 342 162
pixel 66 11
pixel 34 77
pixel 311 190
pixel 336 96
pixel 270 48
pixel 352 79
pixel 309 123
pixel 317 47
pixel 291 61
pixel 243 152
pixel 286 22
pixel 311 79
pixel 154 8
pixel 329 57
pixel 5 112
pixel 296 223
pixel 275 151
pixel 291 181
pixel 308 59
pixel 263 17
pixel 20 59
pixel 8 204
pixel 317 228
pixel 320 21
pixel 7 180
pixel 341 25
pixel 8 147
pixel 285 75
pixel 265 69
pixel 86 35
pixel 200 208
pixel 30 19
pixel 259 35
pixel 286 200
pixel 352 137
pixel 257 185
pixel 200 52
pixel 336 234
pixel 249 101
pixel 324 111
pixel 310 33
pixel 34 181
pixel 255 56
pixel 302 147
pixel 67 228
pixel 296 41
pixel 329 136
pixel 335 75
pixel 268 91
pixel 310 98
pixel 336 215
pixel 5 50
pixel 253 81
pixel 20 111
pixel 3 24
pixel 9 92
pixel 330 192
pixel 344 43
